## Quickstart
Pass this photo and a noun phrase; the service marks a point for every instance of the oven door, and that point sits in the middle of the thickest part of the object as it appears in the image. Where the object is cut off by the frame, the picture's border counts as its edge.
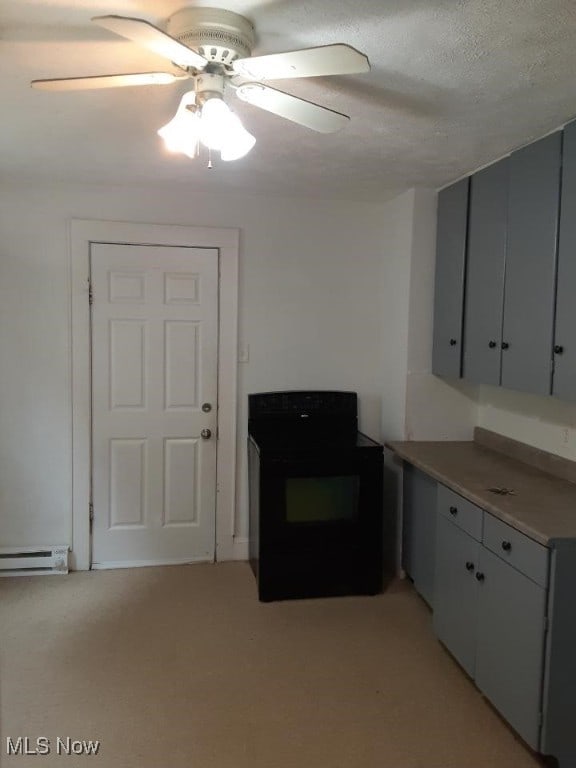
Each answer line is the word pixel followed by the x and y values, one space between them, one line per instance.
pixel 319 499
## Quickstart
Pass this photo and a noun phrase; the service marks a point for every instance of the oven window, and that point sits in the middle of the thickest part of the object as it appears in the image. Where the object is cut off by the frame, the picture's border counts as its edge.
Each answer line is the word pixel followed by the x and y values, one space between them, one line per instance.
pixel 321 499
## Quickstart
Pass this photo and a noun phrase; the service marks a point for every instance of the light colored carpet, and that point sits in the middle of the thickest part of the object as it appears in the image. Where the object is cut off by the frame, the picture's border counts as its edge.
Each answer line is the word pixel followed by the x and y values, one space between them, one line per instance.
pixel 182 666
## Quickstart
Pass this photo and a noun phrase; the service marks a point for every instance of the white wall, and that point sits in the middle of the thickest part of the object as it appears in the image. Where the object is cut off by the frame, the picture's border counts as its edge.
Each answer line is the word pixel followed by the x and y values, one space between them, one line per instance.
pixel 436 409
pixel 415 404
pixel 333 294
pixel 311 275
pixel 442 409
pixel 544 422
pixel 395 295
pixel 433 409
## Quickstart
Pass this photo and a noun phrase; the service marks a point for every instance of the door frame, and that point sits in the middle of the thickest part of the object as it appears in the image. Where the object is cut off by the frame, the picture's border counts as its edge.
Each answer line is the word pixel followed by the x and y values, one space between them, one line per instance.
pixel 226 240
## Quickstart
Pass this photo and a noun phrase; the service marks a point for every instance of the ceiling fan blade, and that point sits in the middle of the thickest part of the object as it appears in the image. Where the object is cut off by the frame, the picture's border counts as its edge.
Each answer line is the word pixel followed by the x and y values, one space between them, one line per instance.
pixel 106 81
pixel 338 59
pixel 292 108
pixel 149 36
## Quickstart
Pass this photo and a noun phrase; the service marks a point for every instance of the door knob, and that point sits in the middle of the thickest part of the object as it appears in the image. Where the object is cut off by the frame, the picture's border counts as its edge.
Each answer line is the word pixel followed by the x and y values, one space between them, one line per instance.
pixel 505 345
pixel 453 342
pixel 206 434
pixel 480 576
pixel 206 407
pixel 558 349
pixel 469 566
pixel 491 344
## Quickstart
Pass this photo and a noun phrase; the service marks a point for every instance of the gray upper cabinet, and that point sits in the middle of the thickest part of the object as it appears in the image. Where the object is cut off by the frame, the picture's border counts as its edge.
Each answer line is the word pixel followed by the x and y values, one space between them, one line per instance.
pixel 485 274
pixel 533 207
pixel 449 279
pixel 564 379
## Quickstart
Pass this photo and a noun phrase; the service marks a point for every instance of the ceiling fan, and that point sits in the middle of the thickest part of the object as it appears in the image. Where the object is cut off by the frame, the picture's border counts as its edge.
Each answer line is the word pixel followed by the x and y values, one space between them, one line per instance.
pixel 213 47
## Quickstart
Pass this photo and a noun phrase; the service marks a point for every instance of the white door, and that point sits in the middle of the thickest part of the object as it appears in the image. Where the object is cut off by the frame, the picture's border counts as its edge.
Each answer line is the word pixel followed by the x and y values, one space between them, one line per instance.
pixel 154 408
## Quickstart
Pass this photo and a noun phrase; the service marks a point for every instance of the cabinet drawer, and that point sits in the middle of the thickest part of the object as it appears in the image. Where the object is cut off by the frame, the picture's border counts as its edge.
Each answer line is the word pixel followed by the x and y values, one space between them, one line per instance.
pixel 461 511
pixel 526 555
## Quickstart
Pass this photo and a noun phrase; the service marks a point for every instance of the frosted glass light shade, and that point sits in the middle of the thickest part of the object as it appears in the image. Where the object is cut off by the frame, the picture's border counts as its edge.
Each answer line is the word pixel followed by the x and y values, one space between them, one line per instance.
pixel 181 134
pixel 214 122
pixel 238 141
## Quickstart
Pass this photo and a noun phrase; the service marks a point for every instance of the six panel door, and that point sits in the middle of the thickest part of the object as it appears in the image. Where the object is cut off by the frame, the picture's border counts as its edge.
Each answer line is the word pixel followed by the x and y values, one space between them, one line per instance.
pixel 154 392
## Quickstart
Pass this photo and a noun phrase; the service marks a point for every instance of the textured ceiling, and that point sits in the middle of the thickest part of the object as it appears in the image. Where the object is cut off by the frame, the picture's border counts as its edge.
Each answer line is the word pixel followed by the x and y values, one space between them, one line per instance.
pixel 454 85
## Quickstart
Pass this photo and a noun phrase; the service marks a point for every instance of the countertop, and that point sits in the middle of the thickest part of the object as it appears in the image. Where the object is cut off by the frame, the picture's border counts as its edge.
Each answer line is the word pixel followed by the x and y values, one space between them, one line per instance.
pixel 543 506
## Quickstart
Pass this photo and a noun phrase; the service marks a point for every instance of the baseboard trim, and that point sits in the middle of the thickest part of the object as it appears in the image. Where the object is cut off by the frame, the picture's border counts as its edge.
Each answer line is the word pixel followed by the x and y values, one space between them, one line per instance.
pixel 236 549
pixel 146 563
pixel 240 548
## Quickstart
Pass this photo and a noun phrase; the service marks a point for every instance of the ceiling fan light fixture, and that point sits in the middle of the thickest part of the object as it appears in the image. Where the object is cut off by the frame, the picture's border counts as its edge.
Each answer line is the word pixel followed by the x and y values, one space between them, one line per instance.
pixel 213 124
pixel 213 47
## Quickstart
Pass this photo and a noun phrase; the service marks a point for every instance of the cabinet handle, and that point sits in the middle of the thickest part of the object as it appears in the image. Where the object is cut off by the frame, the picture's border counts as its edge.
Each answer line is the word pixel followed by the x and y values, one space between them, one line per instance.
pixel 558 349
pixel 505 345
pixel 480 576
pixel 453 510
pixel 453 342
pixel 469 566
pixel 506 546
pixel 491 344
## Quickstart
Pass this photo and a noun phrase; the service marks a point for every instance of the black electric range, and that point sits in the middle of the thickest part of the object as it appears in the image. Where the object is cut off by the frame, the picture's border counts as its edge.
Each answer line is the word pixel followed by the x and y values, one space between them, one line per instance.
pixel 315 496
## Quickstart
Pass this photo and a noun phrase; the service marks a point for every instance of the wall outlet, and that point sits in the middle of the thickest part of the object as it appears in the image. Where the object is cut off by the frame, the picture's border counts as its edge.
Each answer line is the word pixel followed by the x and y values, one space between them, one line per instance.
pixel 565 436
pixel 243 353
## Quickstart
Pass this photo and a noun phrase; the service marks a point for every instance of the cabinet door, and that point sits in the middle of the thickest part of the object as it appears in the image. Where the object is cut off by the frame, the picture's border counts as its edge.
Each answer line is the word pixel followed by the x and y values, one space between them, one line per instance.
pixel 449 280
pixel 509 656
pixel 564 378
pixel 531 266
pixel 485 274
pixel 419 530
pixel 456 592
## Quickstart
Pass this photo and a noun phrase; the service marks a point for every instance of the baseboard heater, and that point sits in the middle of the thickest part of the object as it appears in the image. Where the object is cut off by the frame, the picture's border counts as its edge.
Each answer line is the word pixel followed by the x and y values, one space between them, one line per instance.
pixel 33 561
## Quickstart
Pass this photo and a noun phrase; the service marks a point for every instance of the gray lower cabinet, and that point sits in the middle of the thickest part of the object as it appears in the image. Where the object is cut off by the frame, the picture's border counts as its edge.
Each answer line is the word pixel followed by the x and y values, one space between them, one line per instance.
pixel 449 279
pixel 559 727
pixel 510 644
pixel 419 530
pixel 533 209
pixel 490 605
pixel 503 605
pixel 456 592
